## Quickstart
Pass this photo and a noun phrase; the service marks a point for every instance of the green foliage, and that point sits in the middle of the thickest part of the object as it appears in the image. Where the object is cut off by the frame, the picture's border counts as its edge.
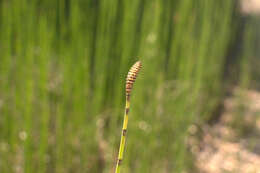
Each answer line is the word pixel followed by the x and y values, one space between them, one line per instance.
pixel 62 77
pixel 250 62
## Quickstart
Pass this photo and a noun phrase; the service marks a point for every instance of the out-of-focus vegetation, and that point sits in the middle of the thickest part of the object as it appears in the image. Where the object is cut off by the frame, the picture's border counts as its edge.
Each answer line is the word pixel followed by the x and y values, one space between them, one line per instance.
pixel 250 61
pixel 63 65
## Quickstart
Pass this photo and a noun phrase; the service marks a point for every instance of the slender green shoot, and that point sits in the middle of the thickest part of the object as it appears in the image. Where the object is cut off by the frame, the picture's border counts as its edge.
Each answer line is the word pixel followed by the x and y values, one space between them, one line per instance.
pixel 132 74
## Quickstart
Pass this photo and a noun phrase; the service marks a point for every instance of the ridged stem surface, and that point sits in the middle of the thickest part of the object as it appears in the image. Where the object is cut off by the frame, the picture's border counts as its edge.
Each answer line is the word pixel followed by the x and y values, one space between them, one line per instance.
pixel 123 136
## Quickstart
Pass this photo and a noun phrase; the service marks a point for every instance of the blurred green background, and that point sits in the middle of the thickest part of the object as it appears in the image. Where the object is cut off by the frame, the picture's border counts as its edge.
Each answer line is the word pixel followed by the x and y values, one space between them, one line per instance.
pixel 63 66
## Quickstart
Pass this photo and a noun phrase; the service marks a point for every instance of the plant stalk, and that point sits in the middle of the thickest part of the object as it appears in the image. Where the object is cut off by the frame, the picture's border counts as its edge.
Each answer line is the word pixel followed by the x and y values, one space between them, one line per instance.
pixel 123 136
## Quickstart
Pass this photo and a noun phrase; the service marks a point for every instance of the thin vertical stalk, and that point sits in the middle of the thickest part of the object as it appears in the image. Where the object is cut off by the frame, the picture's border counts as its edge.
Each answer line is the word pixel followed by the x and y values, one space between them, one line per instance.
pixel 123 135
pixel 132 74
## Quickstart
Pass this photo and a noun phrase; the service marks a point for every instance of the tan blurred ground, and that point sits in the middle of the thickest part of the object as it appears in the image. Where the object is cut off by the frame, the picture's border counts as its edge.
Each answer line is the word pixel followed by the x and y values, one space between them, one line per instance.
pixel 233 144
pixel 250 6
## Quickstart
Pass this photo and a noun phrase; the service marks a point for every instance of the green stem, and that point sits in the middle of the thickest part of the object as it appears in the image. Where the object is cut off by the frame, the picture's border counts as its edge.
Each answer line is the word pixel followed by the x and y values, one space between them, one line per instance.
pixel 123 136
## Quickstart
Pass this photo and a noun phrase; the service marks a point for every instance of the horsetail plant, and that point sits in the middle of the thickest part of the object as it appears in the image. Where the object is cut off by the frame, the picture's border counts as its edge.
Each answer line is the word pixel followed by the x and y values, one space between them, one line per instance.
pixel 131 77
